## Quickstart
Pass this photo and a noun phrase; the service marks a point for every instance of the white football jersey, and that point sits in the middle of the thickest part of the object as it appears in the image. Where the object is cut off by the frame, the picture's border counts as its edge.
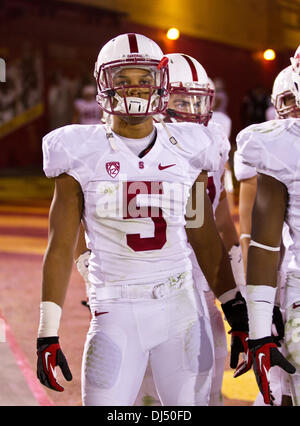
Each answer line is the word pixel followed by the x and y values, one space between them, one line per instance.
pixel 273 148
pixel 224 120
pixel 134 211
pixel 215 184
pixel 242 171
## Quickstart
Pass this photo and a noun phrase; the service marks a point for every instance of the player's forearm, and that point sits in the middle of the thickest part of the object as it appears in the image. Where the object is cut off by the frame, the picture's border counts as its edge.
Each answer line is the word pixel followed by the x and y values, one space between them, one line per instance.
pixel 214 262
pixel 225 224
pixel 246 201
pixel 56 274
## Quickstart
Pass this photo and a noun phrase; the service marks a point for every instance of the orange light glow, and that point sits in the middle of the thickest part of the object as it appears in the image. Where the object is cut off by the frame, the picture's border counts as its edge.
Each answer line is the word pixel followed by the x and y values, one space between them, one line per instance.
pixel 269 55
pixel 173 34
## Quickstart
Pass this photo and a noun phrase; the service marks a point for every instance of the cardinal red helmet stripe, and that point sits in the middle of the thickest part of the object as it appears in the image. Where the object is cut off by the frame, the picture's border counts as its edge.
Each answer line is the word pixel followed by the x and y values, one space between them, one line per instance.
pixel 133 43
pixel 192 66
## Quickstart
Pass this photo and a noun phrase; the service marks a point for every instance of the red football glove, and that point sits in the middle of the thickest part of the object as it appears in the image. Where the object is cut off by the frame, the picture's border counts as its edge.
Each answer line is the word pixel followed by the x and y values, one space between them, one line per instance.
pixel 240 340
pixel 247 363
pixel 49 356
pixel 265 355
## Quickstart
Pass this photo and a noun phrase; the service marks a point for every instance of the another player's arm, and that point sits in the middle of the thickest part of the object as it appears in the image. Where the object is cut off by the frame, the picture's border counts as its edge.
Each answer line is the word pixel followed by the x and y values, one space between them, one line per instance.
pixel 224 222
pixel 267 223
pixel 209 249
pixel 214 262
pixel 64 220
pixel 246 201
pixel 263 257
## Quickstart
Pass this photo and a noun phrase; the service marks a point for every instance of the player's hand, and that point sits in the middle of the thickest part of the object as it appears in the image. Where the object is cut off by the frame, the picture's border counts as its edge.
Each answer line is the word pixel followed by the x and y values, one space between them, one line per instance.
pixel 239 345
pixel 49 356
pixel 265 355
pixel 236 314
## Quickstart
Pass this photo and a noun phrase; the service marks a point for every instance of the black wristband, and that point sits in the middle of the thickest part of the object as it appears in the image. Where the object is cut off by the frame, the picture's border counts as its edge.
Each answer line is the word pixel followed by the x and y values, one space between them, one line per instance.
pixel 254 344
pixel 236 314
pixel 41 341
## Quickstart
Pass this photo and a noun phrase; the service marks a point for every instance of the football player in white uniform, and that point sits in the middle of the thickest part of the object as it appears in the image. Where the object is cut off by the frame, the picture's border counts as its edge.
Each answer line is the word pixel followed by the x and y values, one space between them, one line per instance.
pixel 273 149
pixel 284 103
pixel 225 121
pixel 129 181
pixel 191 100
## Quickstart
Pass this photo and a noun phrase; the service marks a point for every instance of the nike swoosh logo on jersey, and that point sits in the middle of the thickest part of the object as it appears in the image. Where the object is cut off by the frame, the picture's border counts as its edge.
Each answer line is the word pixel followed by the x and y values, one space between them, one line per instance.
pixel 296 305
pixel 100 313
pixel 165 167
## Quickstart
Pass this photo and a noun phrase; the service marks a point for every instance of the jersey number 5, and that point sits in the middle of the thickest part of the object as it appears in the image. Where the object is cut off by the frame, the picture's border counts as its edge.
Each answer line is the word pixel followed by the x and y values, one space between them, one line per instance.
pixel 135 241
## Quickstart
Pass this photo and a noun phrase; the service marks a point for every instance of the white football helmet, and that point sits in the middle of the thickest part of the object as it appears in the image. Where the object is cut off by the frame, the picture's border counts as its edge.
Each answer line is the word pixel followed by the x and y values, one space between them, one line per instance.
pixel 121 97
pixel 295 61
pixel 282 96
pixel 191 96
pixel 211 84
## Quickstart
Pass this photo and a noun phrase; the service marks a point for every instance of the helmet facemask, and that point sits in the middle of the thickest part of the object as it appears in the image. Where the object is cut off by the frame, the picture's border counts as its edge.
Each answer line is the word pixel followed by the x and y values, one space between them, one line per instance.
pixel 191 102
pixel 285 105
pixel 147 96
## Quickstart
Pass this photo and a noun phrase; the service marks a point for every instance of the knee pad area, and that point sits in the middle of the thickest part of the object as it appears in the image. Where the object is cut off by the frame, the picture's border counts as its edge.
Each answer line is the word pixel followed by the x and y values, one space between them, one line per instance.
pixel 198 347
pixel 102 361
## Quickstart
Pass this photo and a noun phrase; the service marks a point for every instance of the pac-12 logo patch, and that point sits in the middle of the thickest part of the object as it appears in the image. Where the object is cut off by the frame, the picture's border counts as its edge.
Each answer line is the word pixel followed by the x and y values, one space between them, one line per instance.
pixel 113 168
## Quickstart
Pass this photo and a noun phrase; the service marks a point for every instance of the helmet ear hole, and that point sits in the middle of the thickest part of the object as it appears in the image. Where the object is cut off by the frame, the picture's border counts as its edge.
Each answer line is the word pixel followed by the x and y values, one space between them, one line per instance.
pixel 111 93
pixel 162 92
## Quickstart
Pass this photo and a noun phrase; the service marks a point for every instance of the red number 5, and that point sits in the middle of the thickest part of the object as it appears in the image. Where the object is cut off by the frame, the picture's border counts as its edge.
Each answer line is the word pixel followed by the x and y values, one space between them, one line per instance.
pixel 135 241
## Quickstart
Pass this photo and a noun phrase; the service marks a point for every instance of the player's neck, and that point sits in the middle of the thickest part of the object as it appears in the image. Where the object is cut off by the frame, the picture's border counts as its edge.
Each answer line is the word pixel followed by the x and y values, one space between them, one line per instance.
pixel 132 129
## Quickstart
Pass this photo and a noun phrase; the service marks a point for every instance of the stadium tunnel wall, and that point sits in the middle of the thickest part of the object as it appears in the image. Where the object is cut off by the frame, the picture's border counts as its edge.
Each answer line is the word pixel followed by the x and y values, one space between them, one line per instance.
pixel 50 48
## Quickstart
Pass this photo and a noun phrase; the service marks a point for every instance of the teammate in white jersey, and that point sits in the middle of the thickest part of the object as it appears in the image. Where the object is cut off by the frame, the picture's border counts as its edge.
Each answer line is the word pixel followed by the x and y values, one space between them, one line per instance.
pixel 283 101
pixel 191 99
pixel 273 149
pixel 129 181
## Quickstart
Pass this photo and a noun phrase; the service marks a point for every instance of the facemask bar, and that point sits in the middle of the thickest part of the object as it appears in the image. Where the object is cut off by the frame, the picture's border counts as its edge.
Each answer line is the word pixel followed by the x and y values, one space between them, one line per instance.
pixel 283 111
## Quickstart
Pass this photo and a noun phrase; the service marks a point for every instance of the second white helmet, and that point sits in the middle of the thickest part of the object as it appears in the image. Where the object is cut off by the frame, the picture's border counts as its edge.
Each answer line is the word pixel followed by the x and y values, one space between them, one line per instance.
pixel 191 95
pixel 282 96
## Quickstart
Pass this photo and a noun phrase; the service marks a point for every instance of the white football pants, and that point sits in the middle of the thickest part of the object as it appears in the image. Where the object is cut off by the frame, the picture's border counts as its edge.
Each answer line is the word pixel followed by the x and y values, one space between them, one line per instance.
pixel 171 332
pixel 219 341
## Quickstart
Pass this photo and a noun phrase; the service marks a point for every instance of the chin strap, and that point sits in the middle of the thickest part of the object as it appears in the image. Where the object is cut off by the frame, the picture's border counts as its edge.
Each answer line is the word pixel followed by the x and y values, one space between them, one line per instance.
pixel 170 136
pixel 109 133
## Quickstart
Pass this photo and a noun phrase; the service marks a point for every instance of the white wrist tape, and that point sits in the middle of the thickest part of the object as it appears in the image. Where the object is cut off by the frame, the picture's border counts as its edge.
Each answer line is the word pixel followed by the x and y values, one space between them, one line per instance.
pixel 260 304
pixel 50 314
pixel 269 248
